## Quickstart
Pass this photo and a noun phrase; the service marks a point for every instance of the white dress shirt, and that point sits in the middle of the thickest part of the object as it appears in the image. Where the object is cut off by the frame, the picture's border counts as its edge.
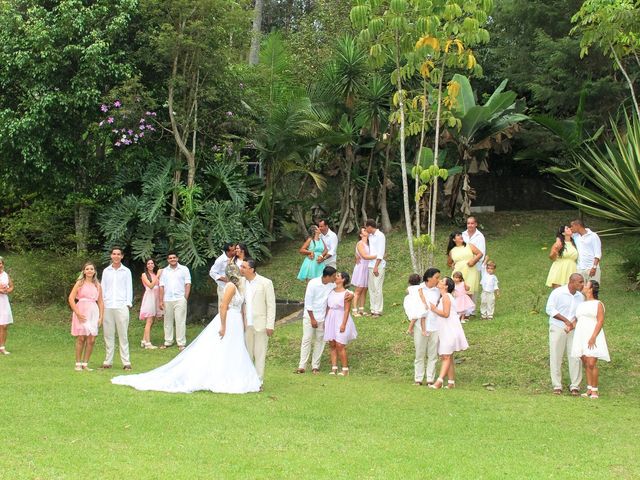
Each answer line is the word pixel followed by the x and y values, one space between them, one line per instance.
pixel 219 268
pixel 488 281
pixel 117 287
pixel 173 280
pixel 331 242
pixel 249 290
pixel 431 295
pixel 563 302
pixel 478 241
pixel 377 247
pixel 315 298
pixel 589 248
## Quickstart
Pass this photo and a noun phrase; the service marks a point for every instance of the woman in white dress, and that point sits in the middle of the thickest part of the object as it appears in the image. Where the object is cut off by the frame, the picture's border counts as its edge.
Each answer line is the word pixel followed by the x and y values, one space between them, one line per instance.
pixel 589 343
pixel 217 360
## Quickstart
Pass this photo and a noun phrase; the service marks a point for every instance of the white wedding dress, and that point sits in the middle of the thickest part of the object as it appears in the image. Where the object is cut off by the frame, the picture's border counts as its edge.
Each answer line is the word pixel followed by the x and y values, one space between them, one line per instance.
pixel 220 365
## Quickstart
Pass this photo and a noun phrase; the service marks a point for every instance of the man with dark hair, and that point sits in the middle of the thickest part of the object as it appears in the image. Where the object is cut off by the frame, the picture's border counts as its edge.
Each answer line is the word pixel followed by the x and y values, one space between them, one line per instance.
pixel 330 240
pixel 475 237
pixel 260 314
pixel 175 287
pixel 315 309
pixel 426 343
pixel 589 250
pixel 217 271
pixel 117 292
pixel 377 247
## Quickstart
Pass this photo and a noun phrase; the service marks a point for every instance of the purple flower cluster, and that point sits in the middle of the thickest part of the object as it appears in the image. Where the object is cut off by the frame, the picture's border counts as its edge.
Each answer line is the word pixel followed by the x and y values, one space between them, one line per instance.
pixel 128 134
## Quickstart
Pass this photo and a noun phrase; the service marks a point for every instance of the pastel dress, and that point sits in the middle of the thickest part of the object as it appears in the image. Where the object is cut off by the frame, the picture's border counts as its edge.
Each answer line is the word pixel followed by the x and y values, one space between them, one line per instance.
pixel 587 315
pixel 150 306
pixel 460 256
pixel 450 333
pixel 87 298
pixel 6 317
pixel 413 306
pixel 210 363
pixel 360 275
pixel 333 320
pixel 463 304
pixel 311 268
pixel 563 266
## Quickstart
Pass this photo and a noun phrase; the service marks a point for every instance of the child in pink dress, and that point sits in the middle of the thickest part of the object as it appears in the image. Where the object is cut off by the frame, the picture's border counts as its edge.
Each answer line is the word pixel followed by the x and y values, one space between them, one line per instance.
pixel 339 328
pixel 6 317
pixel 464 304
pixel 86 303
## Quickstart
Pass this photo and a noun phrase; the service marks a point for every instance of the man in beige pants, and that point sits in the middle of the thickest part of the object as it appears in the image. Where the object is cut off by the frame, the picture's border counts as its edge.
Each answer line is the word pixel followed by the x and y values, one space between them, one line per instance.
pixel 175 287
pixel 117 292
pixel 427 345
pixel 561 308
pixel 260 314
pixel 377 247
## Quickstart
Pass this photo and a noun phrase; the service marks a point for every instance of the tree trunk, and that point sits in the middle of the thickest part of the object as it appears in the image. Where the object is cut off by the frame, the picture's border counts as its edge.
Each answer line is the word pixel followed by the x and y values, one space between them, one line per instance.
pixel 626 76
pixel 345 204
pixel 363 208
pixel 436 149
pixel 256 33
pixel 385 221
pixel 82 215
pixel 423 130
pixel 403 162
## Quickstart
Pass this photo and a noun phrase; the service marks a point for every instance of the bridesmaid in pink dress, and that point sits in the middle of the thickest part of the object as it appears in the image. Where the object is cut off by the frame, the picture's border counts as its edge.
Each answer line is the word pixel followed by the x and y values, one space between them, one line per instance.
pixel 450 333
pixel 360 275
pixel 150 306
pixel 339 328
pixel 86 303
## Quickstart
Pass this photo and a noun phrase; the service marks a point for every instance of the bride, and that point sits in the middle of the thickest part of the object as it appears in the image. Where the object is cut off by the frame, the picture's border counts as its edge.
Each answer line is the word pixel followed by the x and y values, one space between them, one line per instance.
pixel 217 360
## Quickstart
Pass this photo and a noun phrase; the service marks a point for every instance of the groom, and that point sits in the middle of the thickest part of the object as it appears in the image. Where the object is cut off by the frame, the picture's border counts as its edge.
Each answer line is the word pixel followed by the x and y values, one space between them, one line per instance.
pixel 260 314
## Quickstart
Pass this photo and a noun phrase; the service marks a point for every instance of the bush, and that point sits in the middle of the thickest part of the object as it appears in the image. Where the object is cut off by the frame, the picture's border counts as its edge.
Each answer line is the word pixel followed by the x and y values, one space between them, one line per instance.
pixel 43 225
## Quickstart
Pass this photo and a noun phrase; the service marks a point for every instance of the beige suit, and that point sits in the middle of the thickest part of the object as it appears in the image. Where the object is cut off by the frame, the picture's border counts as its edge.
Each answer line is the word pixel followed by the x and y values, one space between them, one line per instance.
pixel 263 318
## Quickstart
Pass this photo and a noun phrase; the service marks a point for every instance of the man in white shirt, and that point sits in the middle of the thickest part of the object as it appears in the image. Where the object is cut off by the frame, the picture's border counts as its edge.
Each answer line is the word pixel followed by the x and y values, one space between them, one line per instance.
pixel 475 237
pixel 561 308
pixel 589 251
pixel 219 267
pixel 175 287
pixel 117 293
pixel 330 240
pixel 315 309
pixel 260 314
pixel 427 345
pixel 377 247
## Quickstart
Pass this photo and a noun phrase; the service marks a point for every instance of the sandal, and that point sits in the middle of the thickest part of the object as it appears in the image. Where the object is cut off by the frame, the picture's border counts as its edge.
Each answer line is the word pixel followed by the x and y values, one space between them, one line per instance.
pixel 334 370
pixel 588 392
pixel 315 371
pixel 78 367
pixel 451 384
pixel 3 351
pixel 438 384
pixel 594 393
pixel 85 367
pixel 299 370
pixel 344 372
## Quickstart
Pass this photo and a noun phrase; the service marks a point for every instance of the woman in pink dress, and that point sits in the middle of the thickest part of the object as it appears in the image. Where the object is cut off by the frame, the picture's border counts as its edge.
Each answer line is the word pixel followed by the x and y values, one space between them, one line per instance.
pixel 450 333
pixel 6 317
pixel 86 303
pixel 360 275
pixel 339 328
pixel 150 306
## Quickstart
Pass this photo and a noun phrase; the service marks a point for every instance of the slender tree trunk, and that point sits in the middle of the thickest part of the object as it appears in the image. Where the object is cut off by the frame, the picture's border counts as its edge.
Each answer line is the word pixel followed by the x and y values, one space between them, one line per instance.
pixel 403 161
pixel 423 130
pixel 385 220
pixel 345 210
pixel 256 33
pixel 436 151
pixel 363 208
pixel 82 215
pixel 626 75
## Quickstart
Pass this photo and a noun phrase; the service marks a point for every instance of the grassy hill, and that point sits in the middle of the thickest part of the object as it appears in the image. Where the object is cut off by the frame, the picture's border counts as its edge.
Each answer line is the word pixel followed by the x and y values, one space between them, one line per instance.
pixel 58 423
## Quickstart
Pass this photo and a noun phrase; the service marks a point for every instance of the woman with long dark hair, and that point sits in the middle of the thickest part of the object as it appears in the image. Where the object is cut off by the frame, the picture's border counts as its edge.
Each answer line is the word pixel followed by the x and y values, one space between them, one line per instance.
pixel 150 306
pixel 565 257
pixel 339 328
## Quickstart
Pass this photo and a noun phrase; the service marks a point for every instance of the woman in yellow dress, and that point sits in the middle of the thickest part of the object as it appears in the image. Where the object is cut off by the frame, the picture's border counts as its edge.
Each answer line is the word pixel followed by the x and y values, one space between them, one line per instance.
pixel 462 257
pixel 565 258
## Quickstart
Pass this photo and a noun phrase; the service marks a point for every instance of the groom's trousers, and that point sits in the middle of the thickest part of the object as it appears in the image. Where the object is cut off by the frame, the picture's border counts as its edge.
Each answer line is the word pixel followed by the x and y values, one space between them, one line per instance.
pixel 257 343
pixel 116 320
pixel 426 347
pixel 311 337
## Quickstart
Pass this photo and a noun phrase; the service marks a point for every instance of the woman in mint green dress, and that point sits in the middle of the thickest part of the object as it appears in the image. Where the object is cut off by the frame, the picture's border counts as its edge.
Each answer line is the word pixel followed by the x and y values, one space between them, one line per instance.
pixel 314 251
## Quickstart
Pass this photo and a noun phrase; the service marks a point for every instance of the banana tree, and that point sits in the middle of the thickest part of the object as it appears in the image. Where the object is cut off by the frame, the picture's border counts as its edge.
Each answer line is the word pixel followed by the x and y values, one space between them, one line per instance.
pixel 479 129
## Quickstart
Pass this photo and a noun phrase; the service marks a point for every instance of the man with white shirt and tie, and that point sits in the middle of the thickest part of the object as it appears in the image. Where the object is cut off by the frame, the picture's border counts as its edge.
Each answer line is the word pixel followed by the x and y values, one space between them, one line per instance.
pixel 315 309
pixel 259 313
pixel 175 287
pixel 330 240
pixel 117 293
pixel 475 237
pixel 427 344
pixel 219 267
pixel 377 247
pixel 589 251
pixel 561 308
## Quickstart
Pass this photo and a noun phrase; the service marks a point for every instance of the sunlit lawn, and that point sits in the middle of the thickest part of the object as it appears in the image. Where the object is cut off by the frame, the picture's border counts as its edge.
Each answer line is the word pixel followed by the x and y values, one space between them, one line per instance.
pixel 57 423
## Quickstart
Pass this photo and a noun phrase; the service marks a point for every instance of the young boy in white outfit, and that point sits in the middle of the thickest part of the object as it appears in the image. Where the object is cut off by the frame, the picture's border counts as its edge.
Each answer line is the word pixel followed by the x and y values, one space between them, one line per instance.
pixel 490 289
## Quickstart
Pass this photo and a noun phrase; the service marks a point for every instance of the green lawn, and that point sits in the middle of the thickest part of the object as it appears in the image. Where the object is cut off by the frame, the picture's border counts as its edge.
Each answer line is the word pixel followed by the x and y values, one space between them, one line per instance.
pixel 57 423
